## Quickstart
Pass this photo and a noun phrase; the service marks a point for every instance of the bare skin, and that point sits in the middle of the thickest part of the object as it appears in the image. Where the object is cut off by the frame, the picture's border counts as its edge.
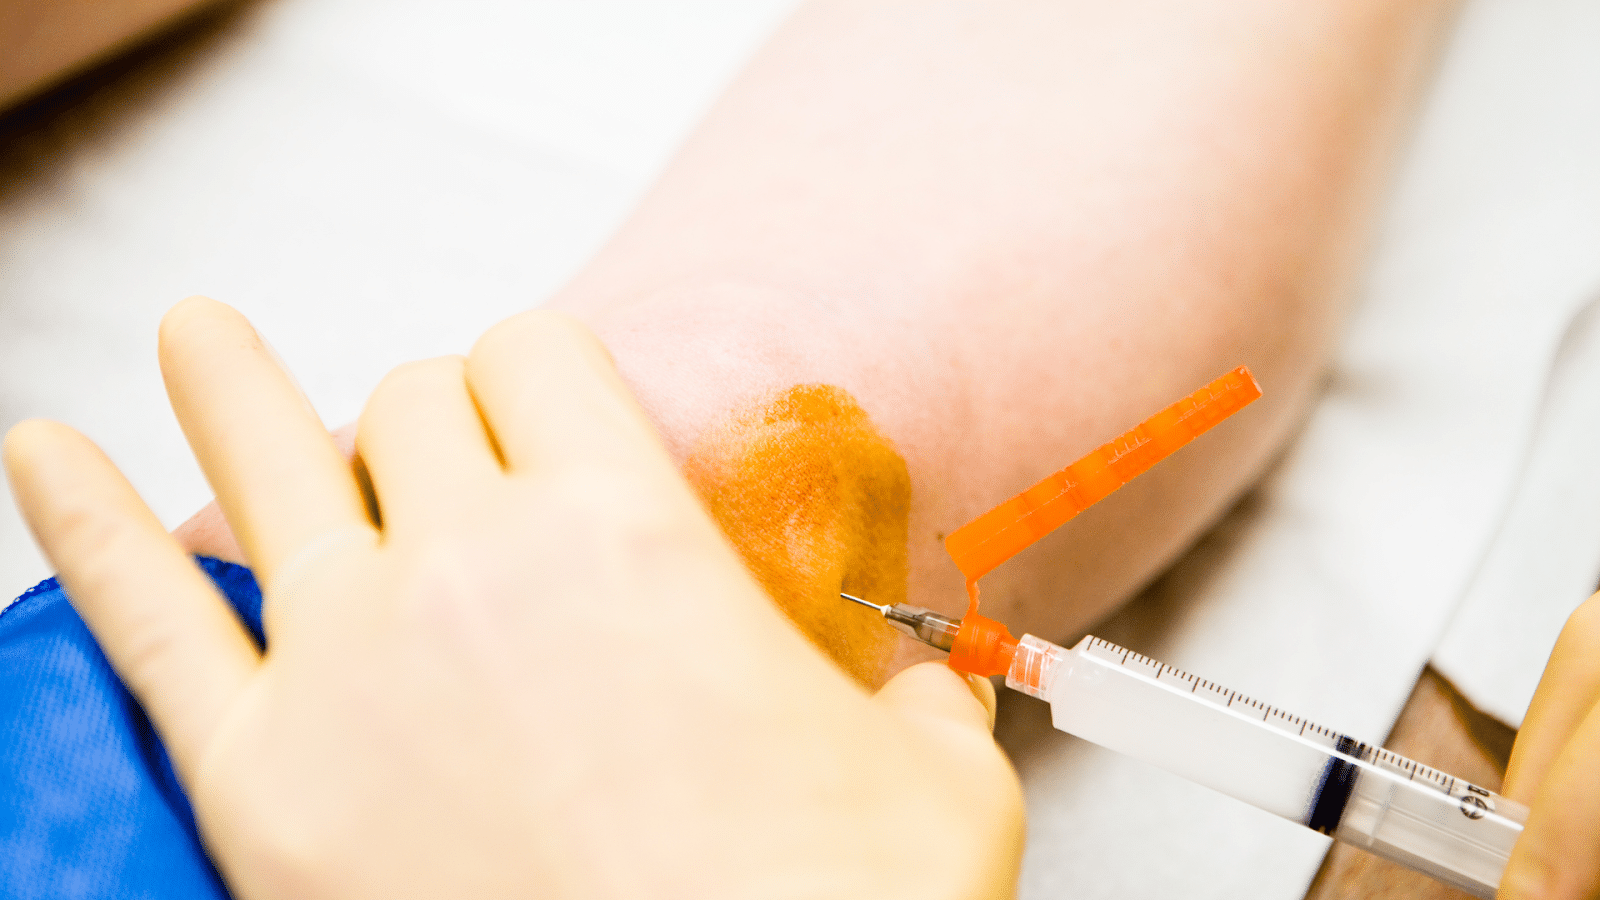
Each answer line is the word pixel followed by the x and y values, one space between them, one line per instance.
pixel 1010 231
pixel 43 42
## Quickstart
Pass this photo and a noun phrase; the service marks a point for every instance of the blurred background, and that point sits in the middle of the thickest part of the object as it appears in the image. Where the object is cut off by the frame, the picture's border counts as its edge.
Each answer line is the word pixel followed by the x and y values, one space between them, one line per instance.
pixel 370 182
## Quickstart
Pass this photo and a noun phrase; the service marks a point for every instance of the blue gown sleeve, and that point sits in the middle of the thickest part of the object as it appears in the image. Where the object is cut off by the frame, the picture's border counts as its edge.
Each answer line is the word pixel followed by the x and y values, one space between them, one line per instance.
pixel 89 805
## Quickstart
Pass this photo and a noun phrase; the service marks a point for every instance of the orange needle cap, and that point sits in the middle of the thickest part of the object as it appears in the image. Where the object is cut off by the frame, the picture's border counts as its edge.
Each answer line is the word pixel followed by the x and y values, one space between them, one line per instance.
pixel 1001 533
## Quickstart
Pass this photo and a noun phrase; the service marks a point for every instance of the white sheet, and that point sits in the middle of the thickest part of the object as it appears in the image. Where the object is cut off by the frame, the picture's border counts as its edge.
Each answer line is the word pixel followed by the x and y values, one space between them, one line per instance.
pixel 378 181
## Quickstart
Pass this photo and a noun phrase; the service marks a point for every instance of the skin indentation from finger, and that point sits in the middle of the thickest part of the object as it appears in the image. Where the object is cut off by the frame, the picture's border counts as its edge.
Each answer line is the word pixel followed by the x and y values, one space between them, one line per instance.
pixel 816 501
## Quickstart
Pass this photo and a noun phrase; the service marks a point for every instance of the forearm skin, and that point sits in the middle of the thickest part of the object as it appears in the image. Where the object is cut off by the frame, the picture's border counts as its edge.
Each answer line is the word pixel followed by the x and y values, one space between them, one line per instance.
pixel 1012 230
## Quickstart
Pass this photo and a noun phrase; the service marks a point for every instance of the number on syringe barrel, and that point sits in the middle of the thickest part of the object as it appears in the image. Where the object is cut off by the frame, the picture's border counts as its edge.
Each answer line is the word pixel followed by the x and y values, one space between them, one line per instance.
pixel 1474 801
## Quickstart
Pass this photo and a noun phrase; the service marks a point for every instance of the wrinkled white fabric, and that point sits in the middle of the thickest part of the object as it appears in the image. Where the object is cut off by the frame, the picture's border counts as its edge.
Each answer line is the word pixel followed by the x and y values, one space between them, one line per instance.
pixel 1546 557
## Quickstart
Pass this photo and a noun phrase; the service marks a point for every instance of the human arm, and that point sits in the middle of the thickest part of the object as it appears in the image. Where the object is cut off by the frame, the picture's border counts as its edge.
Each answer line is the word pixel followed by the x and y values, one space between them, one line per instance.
pixel 537 551
pixel 1010 231
pixel 45 41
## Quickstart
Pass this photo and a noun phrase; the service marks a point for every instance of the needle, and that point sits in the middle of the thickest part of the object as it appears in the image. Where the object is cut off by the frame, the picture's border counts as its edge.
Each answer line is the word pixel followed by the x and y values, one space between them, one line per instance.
pixel 925 625
pixel 882 609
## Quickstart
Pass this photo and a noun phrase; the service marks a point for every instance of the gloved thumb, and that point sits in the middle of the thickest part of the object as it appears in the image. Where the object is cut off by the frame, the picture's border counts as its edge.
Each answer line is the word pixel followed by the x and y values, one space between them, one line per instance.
pixel 934 690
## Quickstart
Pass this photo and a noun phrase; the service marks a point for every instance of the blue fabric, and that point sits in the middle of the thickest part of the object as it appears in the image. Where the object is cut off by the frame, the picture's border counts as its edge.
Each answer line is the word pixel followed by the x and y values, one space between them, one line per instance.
pixel 89 806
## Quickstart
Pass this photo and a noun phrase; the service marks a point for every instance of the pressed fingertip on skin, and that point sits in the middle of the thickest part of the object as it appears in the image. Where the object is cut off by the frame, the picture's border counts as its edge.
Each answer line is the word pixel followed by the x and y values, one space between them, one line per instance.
pixel 933 688
pixel 539 326
pixel 541 331
pixel 547 367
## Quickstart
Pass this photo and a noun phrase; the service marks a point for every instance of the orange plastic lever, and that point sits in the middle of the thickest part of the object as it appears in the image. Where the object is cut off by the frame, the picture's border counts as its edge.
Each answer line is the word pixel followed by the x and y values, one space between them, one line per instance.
pixel 983 646
pixel 1002 532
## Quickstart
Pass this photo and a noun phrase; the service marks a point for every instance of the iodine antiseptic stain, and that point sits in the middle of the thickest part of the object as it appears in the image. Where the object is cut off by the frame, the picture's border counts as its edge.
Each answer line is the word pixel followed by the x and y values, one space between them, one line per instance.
pixel 816 501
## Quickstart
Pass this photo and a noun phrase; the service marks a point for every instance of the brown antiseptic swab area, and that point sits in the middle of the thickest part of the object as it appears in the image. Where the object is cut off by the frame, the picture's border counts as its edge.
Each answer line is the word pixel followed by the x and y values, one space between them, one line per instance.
pixel 813 497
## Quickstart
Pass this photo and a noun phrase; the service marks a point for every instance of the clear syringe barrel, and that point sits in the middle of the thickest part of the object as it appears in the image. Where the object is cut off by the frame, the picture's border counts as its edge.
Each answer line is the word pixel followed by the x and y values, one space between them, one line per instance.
pixel 1401 810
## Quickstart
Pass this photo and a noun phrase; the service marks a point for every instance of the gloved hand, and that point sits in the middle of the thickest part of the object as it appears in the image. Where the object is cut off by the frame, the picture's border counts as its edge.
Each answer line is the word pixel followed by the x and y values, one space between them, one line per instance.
pixel 508 654
pixel 1555 768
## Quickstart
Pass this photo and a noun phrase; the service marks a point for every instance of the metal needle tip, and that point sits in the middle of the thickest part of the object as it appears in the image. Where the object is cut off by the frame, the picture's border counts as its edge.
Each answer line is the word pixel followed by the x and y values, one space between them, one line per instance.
pixel 862 602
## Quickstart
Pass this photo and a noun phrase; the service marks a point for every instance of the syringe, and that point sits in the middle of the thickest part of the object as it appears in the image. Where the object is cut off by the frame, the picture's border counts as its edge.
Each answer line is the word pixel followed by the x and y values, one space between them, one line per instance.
pixel 1356 792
